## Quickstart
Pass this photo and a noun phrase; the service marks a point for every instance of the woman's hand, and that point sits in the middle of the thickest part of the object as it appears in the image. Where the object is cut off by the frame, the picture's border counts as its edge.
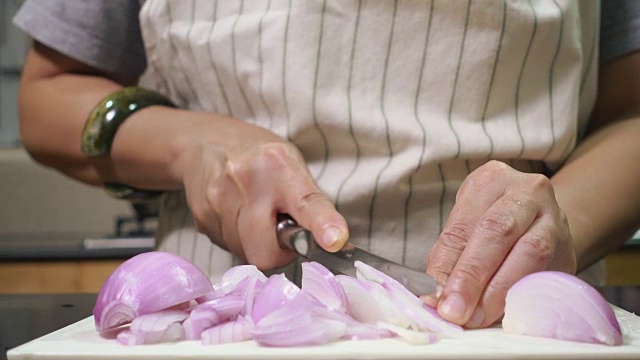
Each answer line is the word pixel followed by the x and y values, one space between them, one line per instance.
pixel 237 176
pixel 236 184
pixel 505 224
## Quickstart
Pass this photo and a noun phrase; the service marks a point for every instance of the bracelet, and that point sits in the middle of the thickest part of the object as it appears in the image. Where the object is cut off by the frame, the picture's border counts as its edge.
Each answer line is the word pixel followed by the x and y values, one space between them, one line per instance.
pixel 103 122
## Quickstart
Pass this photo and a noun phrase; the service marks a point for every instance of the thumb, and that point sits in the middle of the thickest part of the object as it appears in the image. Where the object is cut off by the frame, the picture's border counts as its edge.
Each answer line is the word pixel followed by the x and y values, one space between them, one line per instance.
pixel 318 215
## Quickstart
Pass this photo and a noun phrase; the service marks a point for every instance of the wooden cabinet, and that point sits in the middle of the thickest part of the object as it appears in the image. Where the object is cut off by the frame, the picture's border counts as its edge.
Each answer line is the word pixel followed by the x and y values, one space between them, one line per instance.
pixel 81 276
pixel 87 276
pixel 623 267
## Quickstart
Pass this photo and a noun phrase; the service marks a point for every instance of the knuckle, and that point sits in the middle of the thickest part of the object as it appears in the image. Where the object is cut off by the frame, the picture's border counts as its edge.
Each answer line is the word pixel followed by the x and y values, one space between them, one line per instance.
pixel 471 272
pixel 212 195
pixel 274 156
pixel 539 248
pixel 240 171
pixel 540 183
pixel 499 225
pixel 481 177
pixel 454 238
pixel 307 200
pixel 496 165
pixel 492 168
pixel 278 155
pixel 199 214
pixel 497 289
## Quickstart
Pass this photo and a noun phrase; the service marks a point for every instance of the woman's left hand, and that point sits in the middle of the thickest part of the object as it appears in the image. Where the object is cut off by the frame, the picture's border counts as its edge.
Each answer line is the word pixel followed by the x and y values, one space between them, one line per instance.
pixel 505 224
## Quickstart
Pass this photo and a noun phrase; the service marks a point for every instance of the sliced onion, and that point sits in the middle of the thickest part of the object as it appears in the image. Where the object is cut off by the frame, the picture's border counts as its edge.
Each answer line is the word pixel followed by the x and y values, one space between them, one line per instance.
pixel 228 332
pixel 424 317
pixel 297 322
pixel 356 330
pixel 368 302
pixel 234 281
pixel 320 283
pixel 277 291
pixel 249 292
pixel 362 331
pixel 161 326
pixel 410 336
pixel 366 272
pixel 146 283
pixel 561 306
pixel 168 299
pixel 211 313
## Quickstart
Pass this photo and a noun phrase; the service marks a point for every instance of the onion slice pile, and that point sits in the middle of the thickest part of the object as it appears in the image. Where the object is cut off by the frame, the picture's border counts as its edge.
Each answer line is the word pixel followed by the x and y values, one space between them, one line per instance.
pixel 561 306
pixel 167 299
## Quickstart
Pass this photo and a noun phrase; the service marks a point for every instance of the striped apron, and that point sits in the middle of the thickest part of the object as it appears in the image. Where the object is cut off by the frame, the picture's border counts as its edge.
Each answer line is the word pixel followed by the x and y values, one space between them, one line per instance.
pixel 392 103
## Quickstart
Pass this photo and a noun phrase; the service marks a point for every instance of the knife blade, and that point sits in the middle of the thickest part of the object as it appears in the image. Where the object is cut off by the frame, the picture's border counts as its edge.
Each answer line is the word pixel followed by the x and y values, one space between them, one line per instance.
pixel 300 240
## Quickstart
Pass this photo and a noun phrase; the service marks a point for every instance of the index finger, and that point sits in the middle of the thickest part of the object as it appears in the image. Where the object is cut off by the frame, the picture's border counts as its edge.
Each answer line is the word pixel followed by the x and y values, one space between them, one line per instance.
pixel 313 211
pixel 497 230
pixel 472 200
pixel 305 202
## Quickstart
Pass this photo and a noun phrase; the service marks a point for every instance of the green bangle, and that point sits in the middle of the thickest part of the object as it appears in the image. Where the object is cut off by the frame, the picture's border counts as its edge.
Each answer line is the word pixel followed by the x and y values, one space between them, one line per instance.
pixel 103 122
pixel 132 194
pixel 111 112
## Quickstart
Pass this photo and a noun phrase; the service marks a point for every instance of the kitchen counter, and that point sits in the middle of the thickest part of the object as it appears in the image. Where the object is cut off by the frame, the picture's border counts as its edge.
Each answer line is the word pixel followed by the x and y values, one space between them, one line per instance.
pixel 24 317
pixel 63 263
pixel 71 246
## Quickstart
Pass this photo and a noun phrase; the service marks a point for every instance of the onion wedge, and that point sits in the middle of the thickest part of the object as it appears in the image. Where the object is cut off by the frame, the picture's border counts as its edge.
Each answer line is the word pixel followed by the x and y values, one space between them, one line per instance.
pixel 147 283
pixel 561 306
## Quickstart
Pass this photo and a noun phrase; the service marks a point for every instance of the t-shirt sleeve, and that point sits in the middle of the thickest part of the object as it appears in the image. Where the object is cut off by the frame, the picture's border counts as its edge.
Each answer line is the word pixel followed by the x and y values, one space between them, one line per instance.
pixel 103 34
pixel 619 28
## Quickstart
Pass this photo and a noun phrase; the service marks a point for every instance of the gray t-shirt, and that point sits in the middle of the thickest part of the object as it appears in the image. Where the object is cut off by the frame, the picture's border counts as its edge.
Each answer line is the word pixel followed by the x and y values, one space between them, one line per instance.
pixel 619 28
pixel 103 34
pixel 106 34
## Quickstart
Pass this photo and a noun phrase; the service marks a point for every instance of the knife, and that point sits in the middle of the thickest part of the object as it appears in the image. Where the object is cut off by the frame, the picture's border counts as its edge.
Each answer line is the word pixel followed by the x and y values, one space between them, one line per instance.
pixel 300 240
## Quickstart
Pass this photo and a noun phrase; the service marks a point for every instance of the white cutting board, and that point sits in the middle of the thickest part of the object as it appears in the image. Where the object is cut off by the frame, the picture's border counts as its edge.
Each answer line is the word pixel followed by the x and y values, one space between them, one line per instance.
pixel 80 341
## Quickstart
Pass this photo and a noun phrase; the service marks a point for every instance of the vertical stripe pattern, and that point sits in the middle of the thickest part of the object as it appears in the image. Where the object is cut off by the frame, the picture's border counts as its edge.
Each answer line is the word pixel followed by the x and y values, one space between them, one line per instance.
pixel 392 103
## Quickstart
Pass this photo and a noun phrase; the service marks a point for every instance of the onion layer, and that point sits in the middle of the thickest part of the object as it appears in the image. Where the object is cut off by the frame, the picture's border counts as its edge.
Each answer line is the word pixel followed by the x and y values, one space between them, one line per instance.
pixel 561 306
pixel 161 326
pixel 146 283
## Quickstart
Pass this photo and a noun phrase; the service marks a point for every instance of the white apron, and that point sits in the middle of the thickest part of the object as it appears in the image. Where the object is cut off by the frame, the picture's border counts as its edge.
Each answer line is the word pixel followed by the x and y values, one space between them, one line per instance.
pixel 392 103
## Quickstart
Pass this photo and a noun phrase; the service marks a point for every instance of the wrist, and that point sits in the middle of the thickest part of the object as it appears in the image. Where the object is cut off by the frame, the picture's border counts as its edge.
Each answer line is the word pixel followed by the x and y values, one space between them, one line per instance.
pixel 200 135
pixel 146 148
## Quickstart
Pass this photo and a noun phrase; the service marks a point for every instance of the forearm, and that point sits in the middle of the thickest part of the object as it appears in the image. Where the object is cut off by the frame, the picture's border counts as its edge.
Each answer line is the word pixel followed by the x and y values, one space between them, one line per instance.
pixel 145 150
pixel 53 112
pixel 57 94
pixel 599 192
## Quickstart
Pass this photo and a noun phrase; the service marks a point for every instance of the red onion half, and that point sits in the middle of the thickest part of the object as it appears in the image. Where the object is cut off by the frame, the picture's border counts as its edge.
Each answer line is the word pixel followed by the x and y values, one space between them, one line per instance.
pixel 561 306
pixel 147 283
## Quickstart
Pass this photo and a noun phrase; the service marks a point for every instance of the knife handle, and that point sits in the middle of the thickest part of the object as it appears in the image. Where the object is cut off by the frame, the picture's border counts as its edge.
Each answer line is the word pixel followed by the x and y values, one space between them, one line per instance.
pixel 293 237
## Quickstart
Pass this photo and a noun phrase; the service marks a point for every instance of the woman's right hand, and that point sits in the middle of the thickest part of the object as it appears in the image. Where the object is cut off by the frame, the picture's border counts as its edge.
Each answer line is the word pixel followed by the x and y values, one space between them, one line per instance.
pixel 238 177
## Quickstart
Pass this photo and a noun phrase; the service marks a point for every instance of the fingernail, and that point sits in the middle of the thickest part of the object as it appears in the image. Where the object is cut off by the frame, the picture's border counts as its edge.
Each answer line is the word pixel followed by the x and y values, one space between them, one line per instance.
pixel 476 319
pixel 453 308
pixel 331 235
pixel 432 299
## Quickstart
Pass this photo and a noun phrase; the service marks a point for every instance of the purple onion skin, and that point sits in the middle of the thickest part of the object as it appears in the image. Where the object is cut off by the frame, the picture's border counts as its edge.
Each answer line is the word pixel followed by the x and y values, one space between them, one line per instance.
pixel 146 283
pixel 561 306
